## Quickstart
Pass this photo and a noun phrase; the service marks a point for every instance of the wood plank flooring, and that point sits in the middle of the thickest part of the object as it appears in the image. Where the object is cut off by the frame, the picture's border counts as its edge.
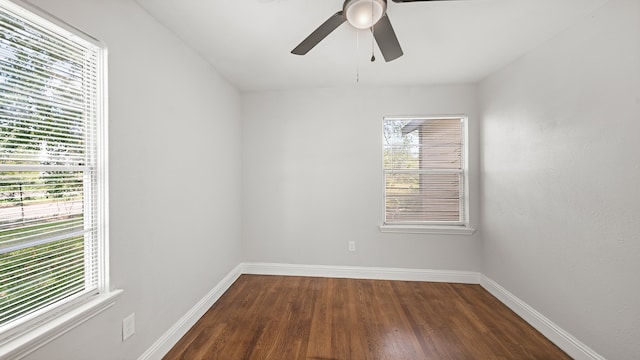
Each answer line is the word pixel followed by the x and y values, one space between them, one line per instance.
pixel 283 318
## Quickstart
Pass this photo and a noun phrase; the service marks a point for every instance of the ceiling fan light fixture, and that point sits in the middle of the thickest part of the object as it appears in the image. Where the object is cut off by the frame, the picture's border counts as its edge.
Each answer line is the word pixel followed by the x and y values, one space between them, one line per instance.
pixel 363 14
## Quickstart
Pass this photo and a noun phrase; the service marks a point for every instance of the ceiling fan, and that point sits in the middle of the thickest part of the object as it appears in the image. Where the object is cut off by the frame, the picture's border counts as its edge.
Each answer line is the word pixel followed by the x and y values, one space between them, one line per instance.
pixel 361 14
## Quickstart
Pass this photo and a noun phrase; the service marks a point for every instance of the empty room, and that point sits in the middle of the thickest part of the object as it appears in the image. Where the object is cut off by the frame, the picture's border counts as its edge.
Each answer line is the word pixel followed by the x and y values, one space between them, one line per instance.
pixel 319 179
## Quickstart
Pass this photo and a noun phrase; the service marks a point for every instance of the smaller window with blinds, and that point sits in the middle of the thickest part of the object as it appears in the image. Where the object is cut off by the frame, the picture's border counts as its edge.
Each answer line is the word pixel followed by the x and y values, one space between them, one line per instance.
pixel 425 175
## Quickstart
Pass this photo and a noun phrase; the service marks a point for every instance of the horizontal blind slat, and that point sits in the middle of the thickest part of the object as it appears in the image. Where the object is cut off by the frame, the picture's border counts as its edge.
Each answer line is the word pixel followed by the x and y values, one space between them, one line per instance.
pixel 46 263
pixel 30 112
pixel 27 279
pixel 17 261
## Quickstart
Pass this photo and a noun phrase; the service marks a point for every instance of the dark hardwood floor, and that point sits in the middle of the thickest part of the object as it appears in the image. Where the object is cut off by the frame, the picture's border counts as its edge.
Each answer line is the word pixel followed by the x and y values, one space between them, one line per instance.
pixel 282 318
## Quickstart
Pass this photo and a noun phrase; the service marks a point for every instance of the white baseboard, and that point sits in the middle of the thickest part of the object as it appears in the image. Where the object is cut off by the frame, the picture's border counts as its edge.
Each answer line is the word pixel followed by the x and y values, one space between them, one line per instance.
pixel 162 346
pixel 553 332
pixel 357 272
pixel 565 341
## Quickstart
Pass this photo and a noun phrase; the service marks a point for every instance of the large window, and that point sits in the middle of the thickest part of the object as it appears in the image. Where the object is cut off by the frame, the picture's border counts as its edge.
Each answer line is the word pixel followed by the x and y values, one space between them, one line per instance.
pixel 52 170
pixel 425 173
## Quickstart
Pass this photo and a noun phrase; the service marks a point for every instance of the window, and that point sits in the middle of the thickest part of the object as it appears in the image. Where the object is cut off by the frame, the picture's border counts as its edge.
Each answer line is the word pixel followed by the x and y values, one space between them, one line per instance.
pixel 52 171
pixel 425 174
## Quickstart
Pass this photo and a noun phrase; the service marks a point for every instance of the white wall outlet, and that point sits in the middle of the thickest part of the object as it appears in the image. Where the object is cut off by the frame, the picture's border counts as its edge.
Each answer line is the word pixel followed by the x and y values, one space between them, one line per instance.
pixel 128 326
pixel 352 246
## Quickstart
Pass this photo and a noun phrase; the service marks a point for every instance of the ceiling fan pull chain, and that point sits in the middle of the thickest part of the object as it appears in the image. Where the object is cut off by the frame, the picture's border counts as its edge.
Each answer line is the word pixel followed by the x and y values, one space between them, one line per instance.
pixel 357 60
pixel 373 56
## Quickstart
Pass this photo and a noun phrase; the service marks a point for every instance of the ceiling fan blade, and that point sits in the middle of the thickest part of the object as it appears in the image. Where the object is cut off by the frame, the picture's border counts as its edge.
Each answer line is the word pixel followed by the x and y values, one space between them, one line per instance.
pixel 320 33
pixel 386 39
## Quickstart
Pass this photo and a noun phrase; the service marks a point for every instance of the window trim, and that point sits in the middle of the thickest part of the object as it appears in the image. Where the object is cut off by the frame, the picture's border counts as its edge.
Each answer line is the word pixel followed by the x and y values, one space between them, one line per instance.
pixel 29 341
pixel 16 342
pixel 428 229
pixel 444 229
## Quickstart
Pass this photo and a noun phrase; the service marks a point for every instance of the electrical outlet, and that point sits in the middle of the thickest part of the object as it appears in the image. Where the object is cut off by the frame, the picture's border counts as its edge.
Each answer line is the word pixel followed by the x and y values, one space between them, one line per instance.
pixel 352 246
pixel 128 326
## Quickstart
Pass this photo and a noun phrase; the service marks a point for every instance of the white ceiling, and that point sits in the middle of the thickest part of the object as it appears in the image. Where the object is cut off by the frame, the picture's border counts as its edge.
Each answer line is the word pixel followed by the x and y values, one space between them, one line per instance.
pixel 249 41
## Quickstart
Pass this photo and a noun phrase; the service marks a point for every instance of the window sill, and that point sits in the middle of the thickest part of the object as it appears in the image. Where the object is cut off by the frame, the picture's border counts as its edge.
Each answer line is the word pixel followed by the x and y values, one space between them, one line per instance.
pixel 424 229
pixel 33 339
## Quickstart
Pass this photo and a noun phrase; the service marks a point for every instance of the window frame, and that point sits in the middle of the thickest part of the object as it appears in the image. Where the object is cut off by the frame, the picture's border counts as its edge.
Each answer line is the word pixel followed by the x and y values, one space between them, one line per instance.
pixel 42 326
pixel 459 228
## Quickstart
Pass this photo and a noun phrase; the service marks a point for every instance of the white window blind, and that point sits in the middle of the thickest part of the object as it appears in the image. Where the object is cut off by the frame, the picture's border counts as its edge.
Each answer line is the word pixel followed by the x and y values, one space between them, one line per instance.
pixel 424 171
pixel 51 220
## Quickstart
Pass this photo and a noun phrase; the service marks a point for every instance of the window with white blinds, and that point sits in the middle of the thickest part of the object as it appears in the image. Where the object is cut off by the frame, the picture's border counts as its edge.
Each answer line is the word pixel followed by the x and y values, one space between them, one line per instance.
pixel 425 171
pixel 52 169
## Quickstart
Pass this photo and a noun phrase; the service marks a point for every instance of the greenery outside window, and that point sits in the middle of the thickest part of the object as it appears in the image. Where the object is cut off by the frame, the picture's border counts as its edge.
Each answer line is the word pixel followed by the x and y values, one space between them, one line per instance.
pixel 425 174
pixel 53 200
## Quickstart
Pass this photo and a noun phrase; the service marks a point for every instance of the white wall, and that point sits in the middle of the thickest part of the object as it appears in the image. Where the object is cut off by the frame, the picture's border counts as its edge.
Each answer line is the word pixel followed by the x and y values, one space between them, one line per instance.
pixel 561 170
pixel 312 177
pixel 175 179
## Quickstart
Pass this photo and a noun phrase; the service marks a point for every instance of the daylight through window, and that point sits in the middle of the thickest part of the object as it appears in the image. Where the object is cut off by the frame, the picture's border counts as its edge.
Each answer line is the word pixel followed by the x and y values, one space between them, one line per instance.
pixel 424 171
pixel 51 167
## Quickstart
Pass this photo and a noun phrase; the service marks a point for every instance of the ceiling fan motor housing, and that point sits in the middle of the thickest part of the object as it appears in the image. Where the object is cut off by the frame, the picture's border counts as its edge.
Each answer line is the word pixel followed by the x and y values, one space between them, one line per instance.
pixel 363 14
